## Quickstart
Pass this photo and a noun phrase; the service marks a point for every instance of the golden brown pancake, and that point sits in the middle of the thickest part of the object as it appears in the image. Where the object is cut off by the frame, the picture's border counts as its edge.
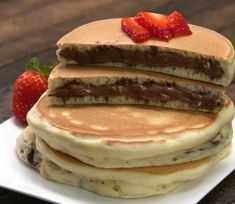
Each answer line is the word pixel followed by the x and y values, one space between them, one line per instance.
pixel 75 84
pixel 203 41
pixel 97 134
pixel 114 124
pixel 160 170
pixel 205 55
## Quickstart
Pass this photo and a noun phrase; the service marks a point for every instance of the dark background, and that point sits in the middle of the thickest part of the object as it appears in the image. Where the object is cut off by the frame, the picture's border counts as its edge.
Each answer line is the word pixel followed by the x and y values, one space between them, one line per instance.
pixel 31 28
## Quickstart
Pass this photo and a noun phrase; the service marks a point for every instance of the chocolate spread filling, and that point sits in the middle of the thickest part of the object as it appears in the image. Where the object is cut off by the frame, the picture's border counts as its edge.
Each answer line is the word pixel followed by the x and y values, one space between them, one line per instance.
pixel 147 91
pixel 151 57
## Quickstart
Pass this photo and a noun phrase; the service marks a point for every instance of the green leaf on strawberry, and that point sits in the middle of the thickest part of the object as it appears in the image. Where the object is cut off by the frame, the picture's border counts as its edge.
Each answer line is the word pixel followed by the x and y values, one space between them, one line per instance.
pixel 34 64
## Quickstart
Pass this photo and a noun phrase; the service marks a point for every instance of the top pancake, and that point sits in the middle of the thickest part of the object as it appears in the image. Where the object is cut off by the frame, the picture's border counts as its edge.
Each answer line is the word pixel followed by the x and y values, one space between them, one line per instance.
pixel 203 41
pixel 204 56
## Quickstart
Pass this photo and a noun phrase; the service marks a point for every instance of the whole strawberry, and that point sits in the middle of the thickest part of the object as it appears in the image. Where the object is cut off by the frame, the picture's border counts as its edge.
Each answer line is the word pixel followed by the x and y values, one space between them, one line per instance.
pixel 28 88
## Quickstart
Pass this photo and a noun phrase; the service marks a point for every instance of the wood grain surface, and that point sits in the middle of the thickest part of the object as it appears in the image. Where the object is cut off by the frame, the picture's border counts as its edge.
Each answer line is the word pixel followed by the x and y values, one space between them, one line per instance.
pixel 31 28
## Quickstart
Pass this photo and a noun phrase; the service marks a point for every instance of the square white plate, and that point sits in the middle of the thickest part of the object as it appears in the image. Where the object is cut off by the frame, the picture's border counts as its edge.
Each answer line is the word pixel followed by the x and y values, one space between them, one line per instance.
pixel 17 176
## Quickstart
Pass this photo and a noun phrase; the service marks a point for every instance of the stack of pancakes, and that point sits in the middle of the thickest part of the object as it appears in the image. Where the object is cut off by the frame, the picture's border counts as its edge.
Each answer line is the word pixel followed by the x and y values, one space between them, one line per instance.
pixel 132 120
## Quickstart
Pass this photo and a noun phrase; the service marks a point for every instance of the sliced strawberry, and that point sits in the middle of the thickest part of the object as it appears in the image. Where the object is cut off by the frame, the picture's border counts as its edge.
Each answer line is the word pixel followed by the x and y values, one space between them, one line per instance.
pixel 179 24
pixel 136 32
pixel 156 24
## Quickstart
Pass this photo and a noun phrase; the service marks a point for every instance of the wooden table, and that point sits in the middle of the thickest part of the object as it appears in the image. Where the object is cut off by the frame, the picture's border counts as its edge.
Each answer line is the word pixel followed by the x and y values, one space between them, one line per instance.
pixel 31 28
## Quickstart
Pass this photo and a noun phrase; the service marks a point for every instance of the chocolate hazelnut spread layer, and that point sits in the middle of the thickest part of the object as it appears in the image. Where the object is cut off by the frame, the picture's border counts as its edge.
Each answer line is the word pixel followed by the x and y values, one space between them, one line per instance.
pixel 147 91
pixel 151 57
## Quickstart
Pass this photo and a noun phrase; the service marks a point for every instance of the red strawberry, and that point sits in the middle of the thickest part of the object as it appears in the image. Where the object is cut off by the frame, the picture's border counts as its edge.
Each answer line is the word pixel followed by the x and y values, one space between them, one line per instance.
pixel 28 88
pixel 157 24
pixel 136 32
pixel 179 24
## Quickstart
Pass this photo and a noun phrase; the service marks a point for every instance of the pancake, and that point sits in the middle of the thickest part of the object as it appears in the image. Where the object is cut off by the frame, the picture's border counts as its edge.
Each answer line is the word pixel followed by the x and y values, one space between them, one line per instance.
pixel 119 182
pixel 211 147
pixel 105 133
pixel 74 84
pixel 205 55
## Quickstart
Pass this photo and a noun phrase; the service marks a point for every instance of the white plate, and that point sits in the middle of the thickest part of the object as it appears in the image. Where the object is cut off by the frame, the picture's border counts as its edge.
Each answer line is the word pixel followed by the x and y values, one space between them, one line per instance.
pixel 18 177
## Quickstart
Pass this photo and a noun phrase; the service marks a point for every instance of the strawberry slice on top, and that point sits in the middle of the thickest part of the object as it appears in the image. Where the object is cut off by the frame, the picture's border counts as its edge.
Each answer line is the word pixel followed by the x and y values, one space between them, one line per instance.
pixel 135 31
pixel 179 24
pixel 157 24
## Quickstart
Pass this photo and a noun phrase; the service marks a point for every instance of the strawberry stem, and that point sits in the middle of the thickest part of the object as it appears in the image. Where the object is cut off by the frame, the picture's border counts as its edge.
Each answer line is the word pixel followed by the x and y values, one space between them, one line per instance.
pixel 34 64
